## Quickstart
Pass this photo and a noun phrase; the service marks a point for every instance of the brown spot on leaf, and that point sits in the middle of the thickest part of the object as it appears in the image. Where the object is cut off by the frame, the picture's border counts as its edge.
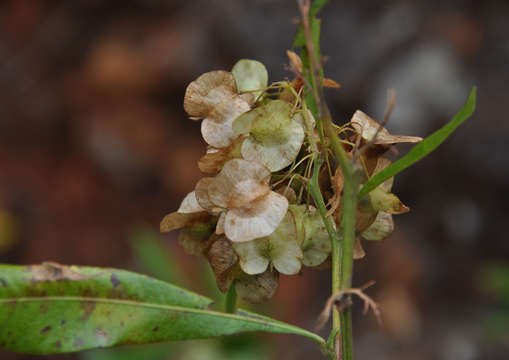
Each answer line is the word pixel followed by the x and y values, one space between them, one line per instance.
pixel 44 308
pixel 51 271
pixel 102 335
pixel 45 329
pixel 114 280
pixel 155 329
pixel 78 342
pixel 88 307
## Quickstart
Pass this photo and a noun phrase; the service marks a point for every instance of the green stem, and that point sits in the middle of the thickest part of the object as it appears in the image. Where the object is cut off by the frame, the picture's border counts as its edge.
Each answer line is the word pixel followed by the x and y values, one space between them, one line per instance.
pixel 230 303
pixel 350 189
pixel 314 189
pixel 347 338
pixel 342 259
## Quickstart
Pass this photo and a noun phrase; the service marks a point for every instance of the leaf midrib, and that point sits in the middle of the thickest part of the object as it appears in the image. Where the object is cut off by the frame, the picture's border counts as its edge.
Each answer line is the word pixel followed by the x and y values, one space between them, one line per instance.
pixel 274 323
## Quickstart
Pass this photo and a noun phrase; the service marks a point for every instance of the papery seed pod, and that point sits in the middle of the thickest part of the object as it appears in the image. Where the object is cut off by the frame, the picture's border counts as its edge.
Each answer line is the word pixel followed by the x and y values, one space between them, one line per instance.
pixel 258 219
pixel 213 161
pixel 259 288
pixel 190 204
pixel 213 97
pixel 253 210
pixel 225 188
pixel 368 127
pixel 202 193
pixel 316 246
pixel 250 75
pixel 311 235
pixel 208 91
pixel 274 138
pixel 223 260
pixel 288 193
pixel 196 238
pixel 382 200
pixel 381 228
pixel 279 248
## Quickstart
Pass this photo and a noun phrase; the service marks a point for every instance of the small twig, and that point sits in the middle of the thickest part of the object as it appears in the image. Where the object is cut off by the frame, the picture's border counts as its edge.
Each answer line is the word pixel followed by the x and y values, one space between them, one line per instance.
pixel 341 304
pixel 390 106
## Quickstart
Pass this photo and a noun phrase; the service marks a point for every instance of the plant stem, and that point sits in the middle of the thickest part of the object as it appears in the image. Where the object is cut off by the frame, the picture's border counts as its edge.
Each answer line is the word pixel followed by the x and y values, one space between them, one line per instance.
pixel 231 300
pixel 347 338
pixel 349 210
pixel 342 258
pixel 314 189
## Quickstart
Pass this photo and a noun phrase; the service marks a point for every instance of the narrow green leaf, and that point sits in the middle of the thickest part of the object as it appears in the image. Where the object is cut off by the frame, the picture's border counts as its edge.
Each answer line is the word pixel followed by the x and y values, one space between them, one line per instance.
pixel 51 308
pixel 300 39
pixel 306 62
pixel 423 148
pixel 316 6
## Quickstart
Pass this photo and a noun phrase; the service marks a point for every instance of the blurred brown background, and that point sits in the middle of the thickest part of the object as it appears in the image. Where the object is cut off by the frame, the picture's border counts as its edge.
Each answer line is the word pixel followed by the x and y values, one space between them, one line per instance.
pixel 94 143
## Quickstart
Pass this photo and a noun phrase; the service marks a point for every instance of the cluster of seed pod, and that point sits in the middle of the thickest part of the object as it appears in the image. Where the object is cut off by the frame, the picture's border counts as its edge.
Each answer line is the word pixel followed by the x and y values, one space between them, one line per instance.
pixel 252 217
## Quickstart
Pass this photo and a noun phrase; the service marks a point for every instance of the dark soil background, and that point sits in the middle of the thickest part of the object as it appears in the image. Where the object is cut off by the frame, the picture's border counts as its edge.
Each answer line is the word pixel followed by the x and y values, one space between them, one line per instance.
pixel 94 143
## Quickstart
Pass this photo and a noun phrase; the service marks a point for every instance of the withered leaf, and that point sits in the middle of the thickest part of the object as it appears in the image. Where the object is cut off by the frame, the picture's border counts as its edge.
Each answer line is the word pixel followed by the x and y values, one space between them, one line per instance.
pixel 295 60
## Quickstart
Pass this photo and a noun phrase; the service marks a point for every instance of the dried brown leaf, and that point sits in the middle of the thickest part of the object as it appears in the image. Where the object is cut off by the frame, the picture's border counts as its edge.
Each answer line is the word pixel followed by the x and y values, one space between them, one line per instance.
pixel 295 60
pixel 329 83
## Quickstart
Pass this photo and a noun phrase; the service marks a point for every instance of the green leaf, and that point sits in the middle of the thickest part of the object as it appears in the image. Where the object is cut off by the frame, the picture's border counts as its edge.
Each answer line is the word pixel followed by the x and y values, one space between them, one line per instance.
pixel 300 40
pixel 52 308
pixel 423 148
pixel 135 352
pixel 316 6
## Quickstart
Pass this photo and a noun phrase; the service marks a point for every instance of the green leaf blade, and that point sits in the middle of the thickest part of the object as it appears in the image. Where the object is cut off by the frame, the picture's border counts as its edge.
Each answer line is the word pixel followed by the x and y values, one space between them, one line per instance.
pixel 422 149
pixel 50 279
pixel 63 315
pixel 316 6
